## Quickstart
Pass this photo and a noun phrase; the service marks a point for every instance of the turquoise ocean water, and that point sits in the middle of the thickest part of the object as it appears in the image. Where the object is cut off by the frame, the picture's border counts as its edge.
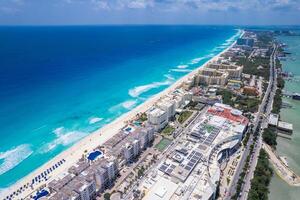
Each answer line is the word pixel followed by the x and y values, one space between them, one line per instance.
pixel 289 148
pixel 58 84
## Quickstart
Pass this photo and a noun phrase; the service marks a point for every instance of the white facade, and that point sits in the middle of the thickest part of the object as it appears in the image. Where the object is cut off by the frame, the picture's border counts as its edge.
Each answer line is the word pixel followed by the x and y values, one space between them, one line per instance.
pixel 158 118
pixel 101 177
pixel 168 106
pixel 136 147
pixel 131 150
pixel 87 190
pixel 111 170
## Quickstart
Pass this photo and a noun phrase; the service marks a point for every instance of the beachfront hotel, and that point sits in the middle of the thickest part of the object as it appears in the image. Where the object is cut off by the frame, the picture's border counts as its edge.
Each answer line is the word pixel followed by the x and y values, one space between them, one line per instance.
pixel 128 144
pixel 218 73
pixel 234 71
pixel 158 118
pixel 89 177
pixel 84 180
pixel 207 76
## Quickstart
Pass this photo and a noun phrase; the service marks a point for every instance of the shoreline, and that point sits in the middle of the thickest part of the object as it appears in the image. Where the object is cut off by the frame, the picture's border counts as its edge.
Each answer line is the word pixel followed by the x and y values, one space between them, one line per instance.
pixel 288 147
pixel 98 137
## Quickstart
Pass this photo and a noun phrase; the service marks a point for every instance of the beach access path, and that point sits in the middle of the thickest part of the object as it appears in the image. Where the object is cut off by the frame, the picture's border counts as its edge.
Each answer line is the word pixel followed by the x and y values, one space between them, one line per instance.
pixel 281 169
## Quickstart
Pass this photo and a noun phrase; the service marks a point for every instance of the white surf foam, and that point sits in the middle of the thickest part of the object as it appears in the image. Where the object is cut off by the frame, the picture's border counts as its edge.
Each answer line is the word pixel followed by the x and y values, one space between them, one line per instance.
pixel 169 77
pixel 129 104
pixel 233 38
pixel 63 138
pixel 197 60
pixel 182 66
pixel 138 90
pixel 95 120
pixel 181 70
pixel 13 157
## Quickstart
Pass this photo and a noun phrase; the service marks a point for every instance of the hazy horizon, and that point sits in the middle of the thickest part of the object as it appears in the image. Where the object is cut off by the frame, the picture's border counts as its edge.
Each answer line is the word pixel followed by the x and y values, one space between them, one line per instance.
pixel 152 12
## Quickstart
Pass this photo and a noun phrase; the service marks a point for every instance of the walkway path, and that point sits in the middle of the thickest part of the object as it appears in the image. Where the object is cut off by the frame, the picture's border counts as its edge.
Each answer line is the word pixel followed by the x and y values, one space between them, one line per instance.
pixel 281 169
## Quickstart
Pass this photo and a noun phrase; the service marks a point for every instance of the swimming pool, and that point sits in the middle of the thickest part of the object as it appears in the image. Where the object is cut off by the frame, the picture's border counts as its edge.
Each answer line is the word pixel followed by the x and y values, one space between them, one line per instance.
pixel 94 155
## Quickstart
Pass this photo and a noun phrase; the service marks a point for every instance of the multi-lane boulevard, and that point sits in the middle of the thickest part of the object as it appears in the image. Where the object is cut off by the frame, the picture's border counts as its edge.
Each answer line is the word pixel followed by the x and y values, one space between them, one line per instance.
pixel 260 122
pixel 266 110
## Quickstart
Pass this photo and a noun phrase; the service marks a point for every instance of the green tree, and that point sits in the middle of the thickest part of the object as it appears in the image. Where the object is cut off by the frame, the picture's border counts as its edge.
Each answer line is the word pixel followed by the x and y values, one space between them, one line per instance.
pixel 107 196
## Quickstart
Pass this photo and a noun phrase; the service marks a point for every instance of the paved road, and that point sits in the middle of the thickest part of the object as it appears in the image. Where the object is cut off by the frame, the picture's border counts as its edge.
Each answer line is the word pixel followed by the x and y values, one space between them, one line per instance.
pixel 265 106
pixel 267 110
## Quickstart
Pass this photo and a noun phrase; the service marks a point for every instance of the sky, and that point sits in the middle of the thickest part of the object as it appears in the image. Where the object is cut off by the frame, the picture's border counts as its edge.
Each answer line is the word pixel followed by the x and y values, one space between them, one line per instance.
pixel 85 12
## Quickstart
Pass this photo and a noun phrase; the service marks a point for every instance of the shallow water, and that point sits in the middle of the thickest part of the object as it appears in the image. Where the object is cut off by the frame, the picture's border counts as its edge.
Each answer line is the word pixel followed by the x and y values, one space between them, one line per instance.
pixel 290 148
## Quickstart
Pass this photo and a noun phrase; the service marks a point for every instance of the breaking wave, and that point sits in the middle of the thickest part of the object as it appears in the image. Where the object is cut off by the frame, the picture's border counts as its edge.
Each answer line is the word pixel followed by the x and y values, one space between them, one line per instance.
pixel 129 104
pixel 63 138
pixel 181 70
pixel 182 66
pixel 138 90
pixel 13 157
pixel 95 120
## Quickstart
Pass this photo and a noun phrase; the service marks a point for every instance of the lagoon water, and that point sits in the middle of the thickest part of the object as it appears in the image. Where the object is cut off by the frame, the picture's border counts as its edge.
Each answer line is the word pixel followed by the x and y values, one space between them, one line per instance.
pixel 290 148
pixel 58 84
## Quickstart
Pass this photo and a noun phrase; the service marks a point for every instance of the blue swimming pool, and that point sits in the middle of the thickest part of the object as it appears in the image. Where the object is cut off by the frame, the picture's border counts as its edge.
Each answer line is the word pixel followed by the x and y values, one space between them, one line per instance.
pixel 94 155
pixel 41 194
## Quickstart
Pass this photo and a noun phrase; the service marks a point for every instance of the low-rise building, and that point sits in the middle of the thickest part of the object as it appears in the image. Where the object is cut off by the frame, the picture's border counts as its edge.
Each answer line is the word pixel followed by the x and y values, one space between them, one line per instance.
pixel 285 127
pixel 273 120
pixel 251 91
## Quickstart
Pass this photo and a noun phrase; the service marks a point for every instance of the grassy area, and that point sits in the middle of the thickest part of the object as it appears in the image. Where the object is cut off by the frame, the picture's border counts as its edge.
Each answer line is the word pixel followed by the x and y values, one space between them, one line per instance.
pixel 245 103
pixel 163 143
pixel 184 116
pixel 168 130
pixel 248 104
pixel 209 128
pixel 227 96
pixel 262 177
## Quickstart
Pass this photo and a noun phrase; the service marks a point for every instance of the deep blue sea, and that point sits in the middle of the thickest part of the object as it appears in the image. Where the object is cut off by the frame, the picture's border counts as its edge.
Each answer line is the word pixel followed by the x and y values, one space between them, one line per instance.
pixel 58 84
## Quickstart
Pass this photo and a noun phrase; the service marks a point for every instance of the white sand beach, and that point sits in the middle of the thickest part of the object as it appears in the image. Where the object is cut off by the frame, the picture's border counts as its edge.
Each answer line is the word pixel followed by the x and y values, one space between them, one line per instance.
pixel 74 153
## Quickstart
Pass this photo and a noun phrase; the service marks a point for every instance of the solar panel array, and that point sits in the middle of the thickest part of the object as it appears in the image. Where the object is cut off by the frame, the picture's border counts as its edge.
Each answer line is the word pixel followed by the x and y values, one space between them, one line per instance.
pixel 193 160
pixel 201 134
pixel 167 168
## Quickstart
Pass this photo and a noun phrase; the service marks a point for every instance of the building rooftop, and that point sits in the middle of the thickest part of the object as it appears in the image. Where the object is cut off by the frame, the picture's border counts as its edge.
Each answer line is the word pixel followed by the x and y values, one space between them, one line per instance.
pixel 285 125
pixel 228 112
pixel 273 119
pixel 161 189
pixel 156 112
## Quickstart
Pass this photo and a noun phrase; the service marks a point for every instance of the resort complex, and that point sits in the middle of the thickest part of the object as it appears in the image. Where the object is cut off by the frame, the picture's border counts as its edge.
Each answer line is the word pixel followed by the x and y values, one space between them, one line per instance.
pixel 196 140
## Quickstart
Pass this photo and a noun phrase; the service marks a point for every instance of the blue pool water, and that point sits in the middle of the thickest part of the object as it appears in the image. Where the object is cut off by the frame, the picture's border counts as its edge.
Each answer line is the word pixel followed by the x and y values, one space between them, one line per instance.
pixel 94 155
pixel 41 194
pixel 59 84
